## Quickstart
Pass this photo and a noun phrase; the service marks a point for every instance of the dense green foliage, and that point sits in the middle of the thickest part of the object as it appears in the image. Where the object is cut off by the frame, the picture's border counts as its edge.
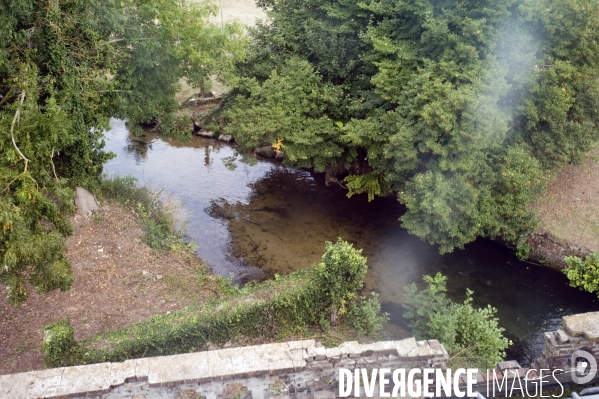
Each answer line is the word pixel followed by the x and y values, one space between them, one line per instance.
pixel 470 335
pixel 366 316
pixel 341 271
pixel 267 310
pixel 65 68
pixel 460 107
pixel 583 274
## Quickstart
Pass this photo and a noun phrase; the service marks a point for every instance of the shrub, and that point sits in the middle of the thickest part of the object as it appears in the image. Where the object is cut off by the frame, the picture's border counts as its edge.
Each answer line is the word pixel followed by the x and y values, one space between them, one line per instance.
pixel 365 316
pixel 471 336
pixel 60 347
pixel 340 274
pixel 177 126
pixel 584 274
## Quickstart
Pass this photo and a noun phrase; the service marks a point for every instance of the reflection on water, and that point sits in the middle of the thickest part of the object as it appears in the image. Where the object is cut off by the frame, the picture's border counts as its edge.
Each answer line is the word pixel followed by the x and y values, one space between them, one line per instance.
pixel 278 218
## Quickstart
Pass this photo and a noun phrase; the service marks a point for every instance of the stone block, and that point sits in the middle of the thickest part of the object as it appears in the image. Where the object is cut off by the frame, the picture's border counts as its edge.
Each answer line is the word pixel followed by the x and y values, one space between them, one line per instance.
pixel 562 337
pixel 333 353
pixel 320 353
pixel 434 344
pixel 300 344
pixel 223 368
pixel 79 380
pixel 480 379
pixel 17 386
pixel 583 325
pixel 311 352
pixel 142 366
pixel 509 364
pixel 384 348
pixel 45 380
pixel 119 372
pixel 350 349
pixel 421 352
pixel 404 346
pixel 179 369
pixel 368 349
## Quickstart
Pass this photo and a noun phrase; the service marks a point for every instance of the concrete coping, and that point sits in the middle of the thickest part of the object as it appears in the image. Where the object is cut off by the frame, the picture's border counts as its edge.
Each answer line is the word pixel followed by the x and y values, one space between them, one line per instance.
pixel 583 325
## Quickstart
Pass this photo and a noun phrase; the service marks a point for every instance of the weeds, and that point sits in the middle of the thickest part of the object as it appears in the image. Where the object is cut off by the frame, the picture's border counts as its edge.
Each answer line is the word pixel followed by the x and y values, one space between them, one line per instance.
pixel 156 218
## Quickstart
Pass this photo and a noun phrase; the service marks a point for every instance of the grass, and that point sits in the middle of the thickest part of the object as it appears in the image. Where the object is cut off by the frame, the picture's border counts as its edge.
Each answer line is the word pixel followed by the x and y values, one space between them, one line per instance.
pixel 155 217
pixel 185 287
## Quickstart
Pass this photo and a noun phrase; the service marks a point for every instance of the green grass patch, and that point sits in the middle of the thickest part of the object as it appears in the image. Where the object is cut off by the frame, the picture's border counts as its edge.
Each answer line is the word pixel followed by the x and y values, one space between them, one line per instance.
pixel 155 217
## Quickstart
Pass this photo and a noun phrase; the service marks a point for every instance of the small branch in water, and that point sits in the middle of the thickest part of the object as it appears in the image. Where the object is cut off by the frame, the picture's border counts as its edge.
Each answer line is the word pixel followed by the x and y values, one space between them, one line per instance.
pixel 341 185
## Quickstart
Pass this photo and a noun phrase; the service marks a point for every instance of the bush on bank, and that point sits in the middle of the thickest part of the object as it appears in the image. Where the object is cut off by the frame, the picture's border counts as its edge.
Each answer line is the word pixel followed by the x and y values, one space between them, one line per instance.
pixel 583 274
pixel 305 297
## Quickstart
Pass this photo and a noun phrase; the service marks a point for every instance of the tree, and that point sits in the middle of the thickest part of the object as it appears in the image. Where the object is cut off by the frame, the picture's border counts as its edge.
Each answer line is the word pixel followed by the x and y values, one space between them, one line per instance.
pixel 65 68
pixel 459 107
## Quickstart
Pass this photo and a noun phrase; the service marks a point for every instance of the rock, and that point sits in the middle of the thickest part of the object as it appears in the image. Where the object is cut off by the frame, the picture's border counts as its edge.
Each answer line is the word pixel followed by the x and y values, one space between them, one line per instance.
pixel 266 151
pixel 205 133
pixel 85 201
pixel 227 138
pixel 280 156
pixel 583 325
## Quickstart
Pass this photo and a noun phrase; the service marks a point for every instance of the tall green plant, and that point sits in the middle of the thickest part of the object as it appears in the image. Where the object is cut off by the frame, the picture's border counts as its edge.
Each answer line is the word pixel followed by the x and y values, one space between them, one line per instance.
pixel 340 274
pixel 472 336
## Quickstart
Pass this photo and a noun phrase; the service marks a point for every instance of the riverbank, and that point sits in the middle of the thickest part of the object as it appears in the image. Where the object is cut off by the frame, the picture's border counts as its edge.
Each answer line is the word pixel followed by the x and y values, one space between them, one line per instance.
pixel 118 280
pixel 568 214
pixel 131 269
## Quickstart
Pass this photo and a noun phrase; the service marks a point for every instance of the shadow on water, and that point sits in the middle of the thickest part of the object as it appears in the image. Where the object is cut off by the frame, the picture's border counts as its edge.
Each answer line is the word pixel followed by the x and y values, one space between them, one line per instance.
pixel 275 219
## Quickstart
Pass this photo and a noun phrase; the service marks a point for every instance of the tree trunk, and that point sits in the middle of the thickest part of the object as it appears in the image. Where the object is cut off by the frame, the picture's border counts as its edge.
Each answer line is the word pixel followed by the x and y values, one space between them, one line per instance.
pixel 333 315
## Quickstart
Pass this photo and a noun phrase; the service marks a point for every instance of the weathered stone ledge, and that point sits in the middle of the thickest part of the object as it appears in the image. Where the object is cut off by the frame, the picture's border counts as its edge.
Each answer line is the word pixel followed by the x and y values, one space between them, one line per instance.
pixel 306 360
pixel 296 369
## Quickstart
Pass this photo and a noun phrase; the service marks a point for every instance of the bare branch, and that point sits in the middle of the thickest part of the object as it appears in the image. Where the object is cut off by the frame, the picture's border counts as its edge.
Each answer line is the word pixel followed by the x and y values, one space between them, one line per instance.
pixel 16 120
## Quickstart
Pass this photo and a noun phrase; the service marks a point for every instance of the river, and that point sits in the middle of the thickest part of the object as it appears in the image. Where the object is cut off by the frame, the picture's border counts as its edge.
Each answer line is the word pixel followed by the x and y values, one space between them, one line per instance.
pixel 254 221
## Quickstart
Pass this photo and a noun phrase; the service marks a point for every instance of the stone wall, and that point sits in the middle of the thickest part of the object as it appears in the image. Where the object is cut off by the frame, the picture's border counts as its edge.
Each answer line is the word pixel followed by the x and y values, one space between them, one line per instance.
pixel 296 368
pixel 578 332
pixel 549 250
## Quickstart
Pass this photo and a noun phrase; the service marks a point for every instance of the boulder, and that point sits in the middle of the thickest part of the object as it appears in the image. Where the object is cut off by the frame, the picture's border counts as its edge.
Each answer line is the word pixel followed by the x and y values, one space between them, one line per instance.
pixel 280 156
pixel 266 151
pixel 227 138
pixel 85 201
pixel 205 133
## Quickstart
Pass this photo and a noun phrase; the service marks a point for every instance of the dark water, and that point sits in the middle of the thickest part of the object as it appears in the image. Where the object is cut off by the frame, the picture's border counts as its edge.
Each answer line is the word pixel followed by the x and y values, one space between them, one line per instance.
pixel 278 219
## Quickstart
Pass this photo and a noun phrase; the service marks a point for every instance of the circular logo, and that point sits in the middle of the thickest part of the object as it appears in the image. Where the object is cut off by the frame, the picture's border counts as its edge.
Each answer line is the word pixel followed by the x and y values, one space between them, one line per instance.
pixel 581 373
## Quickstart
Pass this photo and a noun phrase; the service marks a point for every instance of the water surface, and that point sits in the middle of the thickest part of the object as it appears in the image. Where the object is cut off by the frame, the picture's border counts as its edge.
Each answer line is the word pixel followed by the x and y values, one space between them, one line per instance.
pixel 275 219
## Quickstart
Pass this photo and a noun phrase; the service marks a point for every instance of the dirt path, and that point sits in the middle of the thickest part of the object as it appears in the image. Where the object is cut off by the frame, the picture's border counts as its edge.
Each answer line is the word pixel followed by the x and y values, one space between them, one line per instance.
pixel 570 209
pixel 118 281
